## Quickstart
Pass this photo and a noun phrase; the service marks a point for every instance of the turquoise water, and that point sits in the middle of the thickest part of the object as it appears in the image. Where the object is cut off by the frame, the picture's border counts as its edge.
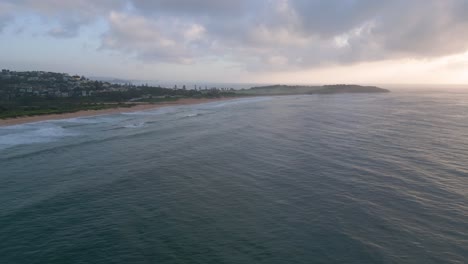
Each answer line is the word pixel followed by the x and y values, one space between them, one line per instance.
pixel 377 178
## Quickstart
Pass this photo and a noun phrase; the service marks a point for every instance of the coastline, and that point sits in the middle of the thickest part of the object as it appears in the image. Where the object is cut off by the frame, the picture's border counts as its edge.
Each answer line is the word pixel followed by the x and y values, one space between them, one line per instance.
pixel 87 113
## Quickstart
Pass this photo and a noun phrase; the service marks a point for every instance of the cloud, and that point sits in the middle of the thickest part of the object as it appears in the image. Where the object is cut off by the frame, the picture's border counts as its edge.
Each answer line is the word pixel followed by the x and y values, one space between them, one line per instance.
pixel 4 20
pixel 210 8
pixel 153 40
pixel 65 17
pixel 6 9
pixel 66 29
pixel 264 34
pixel 308 33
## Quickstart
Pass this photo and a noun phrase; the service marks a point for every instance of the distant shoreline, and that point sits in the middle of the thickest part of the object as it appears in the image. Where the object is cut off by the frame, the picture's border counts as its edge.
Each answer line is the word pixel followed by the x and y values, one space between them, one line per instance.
pixel 87 113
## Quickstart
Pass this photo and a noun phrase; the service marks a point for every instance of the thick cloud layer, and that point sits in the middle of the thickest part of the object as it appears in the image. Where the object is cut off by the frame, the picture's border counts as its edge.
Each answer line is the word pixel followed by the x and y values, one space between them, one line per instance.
pixel 263 34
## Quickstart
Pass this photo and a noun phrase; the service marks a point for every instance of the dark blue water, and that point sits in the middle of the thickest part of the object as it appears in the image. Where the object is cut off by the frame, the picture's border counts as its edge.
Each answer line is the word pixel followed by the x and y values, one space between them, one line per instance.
pixel 377 178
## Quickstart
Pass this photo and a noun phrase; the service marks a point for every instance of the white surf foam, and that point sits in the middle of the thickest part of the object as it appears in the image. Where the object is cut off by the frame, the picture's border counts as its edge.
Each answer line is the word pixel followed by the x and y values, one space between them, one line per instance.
pixel 98 119
pixel 31 133
pixel 192 115
pixel 135 125
pixel 159 111
pixel 236 102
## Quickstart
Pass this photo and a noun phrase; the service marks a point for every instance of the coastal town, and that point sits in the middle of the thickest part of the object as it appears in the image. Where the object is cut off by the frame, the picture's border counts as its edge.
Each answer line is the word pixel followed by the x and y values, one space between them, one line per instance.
pixel 31 93
pixel 17 84
pixel 50 84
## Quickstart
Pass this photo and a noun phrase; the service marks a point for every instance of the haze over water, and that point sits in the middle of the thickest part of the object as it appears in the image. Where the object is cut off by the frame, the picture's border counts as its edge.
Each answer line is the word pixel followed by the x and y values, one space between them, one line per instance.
pixel 376 178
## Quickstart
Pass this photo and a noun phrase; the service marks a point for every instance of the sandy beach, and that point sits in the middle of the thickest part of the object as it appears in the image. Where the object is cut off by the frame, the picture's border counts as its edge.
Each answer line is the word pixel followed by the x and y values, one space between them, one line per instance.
pixel 139 107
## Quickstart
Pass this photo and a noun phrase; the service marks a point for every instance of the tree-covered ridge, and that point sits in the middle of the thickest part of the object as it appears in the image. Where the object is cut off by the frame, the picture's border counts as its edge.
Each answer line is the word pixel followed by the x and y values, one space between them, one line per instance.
pixel 15 85
pixel 38 92
pixel 306 89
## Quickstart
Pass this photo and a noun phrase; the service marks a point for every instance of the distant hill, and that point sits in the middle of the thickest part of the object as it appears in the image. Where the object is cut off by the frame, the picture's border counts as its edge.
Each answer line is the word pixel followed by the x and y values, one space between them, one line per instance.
pixel 303 89
pixel 345 88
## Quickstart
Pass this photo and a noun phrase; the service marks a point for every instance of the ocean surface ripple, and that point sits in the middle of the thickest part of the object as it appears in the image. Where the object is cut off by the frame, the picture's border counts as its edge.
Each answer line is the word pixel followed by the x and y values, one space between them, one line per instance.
pixel 378 178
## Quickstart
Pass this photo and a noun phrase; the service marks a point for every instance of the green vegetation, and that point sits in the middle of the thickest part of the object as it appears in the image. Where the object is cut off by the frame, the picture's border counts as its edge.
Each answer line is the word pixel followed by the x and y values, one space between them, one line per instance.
pixel 30 106
pixel 51 107
pixel 42 93
pixel 303 89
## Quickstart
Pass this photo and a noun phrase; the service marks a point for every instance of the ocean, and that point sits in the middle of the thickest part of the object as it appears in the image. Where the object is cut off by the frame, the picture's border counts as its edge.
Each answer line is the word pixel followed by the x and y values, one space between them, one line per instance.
pixel 348 178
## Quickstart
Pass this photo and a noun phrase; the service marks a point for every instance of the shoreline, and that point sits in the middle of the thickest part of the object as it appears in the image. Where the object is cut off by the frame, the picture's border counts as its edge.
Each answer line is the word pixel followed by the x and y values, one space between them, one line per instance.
pixel 117 110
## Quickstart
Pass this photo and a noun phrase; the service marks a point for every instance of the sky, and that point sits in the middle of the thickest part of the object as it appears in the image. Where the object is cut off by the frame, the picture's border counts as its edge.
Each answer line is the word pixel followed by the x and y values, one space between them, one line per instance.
pixel 245 41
